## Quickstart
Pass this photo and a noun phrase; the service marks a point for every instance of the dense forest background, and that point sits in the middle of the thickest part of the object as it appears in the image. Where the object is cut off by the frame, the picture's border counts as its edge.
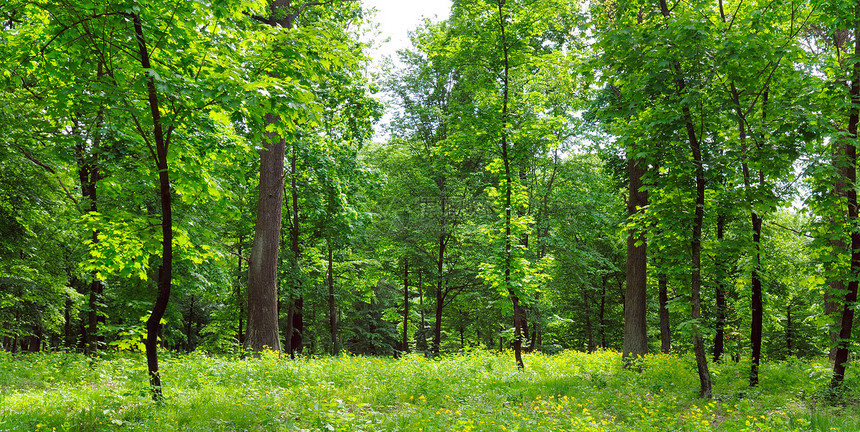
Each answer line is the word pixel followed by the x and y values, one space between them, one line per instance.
pixel 638 175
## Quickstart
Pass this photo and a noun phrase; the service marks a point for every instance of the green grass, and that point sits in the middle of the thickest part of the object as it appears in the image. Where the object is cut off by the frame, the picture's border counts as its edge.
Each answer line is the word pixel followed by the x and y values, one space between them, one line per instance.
pixel 479 391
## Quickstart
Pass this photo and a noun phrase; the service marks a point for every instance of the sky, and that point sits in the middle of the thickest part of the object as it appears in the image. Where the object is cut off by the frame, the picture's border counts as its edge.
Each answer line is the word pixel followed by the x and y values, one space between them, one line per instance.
pixel 397 17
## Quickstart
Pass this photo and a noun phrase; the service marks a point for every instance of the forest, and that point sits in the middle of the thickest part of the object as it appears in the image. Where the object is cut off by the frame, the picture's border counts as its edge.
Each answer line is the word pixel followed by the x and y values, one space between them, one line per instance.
pixel 238 179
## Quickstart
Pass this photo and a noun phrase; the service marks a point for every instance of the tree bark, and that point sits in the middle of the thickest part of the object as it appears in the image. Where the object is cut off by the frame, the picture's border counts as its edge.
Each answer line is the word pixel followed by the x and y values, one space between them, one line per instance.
pixel 589 328
pixel 635 343
pixel 240 300
pixel 757 306
pixel 421 337
pixel 665 331
pixel 789 331
pixel 263 302
pixel 332 314
pixel 851 154
pixel 262 329
pixel 298 324
pixel 508 186
pixel 405 346
pixel 440 285
pixel 165 270
pixel 719 336
pixel 836 282
pixel 705 390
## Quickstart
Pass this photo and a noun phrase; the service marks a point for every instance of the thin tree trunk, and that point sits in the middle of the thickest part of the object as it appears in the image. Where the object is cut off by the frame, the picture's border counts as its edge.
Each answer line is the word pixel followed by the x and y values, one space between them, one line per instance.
pixel 240 300
pixel 165 271
pixel 437 330
pixel 851 154
pixel 705 390
pixel 836 282
pixel 421 339
pixel 601 316
pixel 297 335
pixel 508 185
pixel 789 331
pixel 665 331
pixel 405 347
pixel 189 325
pixel 332 316
pixel 756 220
pixel 719 336
pixel 589 328
pixel 440 286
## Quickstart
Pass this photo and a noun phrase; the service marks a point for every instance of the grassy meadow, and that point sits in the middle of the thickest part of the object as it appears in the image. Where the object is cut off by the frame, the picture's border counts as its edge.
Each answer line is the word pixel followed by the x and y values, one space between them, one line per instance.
pixel 477 391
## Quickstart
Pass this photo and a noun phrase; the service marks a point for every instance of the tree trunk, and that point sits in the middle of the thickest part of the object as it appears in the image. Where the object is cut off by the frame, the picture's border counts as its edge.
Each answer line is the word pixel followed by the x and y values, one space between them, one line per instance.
pixel 440 287
pixel 405 347
pixel 851 154
pixel 89 180
pixel 189 325
pixel 836 282
pixel 756 303
pixel 263 302
pixel 705 390
pixel 719 336
pixel 421 337
pixel 665 331
pixel 262 329
pixel 165 270
pixel 240 300
pixel 589 328
pixel 437 329
pixel 756 221
pixel 298 325
pixel 789 332
pixel 602 313
pixel 332 316
pixel 508 186
pixel 635 342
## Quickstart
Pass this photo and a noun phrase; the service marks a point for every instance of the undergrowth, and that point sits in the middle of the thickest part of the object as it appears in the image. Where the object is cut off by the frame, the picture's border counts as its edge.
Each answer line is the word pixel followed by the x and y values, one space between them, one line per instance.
pixel 478 391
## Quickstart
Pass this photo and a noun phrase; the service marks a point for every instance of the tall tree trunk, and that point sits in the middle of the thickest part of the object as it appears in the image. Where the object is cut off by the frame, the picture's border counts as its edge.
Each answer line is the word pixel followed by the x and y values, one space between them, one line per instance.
pixel 589 328
pixel 836 282
pixel 263 305
pixel 89 175
pixel 240 300
pixel 851 155
pixel 298 325
pixel 189 325
pixel 405 346
pixel 635 343
pixel 789 331
pixel 601 316
pixel 665 331
pixel 421 337
pixel 757 306
pixel 437 329
pixel 262 329
pixel 508 185
pixel 719 336
pixel 332 314
pixel 440 286
pixel 705 390
pixel 165 270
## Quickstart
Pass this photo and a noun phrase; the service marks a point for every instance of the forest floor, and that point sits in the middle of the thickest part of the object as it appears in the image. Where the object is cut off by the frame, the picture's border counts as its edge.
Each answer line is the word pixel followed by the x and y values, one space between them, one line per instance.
pixel 476 391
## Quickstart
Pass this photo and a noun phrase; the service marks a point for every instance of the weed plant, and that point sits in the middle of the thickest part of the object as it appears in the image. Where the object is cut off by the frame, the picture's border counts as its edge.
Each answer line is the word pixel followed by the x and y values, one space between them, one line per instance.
pixel 476 391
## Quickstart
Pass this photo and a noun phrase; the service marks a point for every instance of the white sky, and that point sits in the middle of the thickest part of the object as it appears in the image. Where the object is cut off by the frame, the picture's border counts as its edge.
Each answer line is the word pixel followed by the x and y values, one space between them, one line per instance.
pixel 397 17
